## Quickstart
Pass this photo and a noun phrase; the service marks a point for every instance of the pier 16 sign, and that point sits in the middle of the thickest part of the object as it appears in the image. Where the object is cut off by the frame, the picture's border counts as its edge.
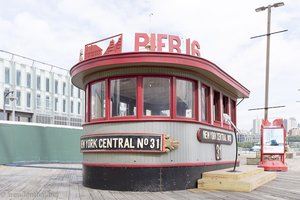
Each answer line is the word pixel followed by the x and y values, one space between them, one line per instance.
pixel 142 42
pixel 166 43
pixel 111 142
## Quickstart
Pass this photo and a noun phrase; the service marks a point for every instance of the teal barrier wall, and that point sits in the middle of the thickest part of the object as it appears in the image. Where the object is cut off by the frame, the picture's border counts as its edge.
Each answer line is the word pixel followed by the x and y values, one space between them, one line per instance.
pixel 27 142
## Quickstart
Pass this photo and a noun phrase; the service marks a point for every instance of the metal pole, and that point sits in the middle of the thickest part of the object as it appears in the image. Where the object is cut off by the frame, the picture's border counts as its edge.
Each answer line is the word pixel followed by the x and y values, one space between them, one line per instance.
pixel 4 110
pixel 13 111
pixel 227 119
pixel 236 151
pixel 267 63
pixel 5 94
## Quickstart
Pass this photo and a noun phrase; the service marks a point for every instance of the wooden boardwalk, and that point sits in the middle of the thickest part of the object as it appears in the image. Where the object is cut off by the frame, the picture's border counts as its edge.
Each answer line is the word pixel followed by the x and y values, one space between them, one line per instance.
pixel 64 181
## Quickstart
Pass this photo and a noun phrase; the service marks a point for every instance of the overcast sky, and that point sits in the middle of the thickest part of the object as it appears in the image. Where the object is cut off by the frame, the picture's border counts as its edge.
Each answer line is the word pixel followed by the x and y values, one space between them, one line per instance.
pixel 54 31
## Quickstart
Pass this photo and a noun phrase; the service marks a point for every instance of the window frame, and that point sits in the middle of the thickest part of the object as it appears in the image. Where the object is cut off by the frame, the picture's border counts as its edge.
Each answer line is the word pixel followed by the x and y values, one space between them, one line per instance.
pixel 28 101
pixel 18 98
pixel 64 88
pixel 38 101
pixel 208 104
pixel 56 86
pixel 108 99
pixel 64 106
pixel 56 104
pixel 6 100
pixel 7 75
pixel 79 93
pixel 47 84
pixel 217 118
pixel 195 99
pixel 72 90
pixel 233 112
pixel 171 102
pixel 140 99
pixel 225 109
pixel 197 111
pixel 78 108
pixel 106 105
pixel 72 107
pixel 38 82
pixel 87 103
pixel 47 102
pixel 18 77
pixel 28 80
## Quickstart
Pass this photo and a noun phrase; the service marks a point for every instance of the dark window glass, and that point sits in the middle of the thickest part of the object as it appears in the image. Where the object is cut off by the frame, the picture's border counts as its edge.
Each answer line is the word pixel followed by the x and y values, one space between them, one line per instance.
pixel 72 106
pixel 38 82
pixel 28 80
pixel 7 75
pixel 18 79
pixel 64 88
pixel 225 105
pixel 72 90
pixel 38 101
pixel 47 102
pixel 64 105
pixel 184 98
pixel 97 100
pixel 156 96
pixel 18 95
pixel 233 111
pixel 216 106
pixel 56 86
pixel 47 85
pixel 123 97
pixel 28 100
pixel 205 95
pixel 56 104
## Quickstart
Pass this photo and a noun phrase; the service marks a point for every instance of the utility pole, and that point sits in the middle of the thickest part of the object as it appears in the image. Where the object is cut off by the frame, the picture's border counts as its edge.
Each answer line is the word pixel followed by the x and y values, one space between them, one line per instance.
pixel 268 52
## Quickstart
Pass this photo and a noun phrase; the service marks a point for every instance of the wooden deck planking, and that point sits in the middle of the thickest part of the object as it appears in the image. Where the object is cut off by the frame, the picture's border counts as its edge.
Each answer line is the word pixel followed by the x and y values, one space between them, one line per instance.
pixel 86 194
pixel 139 195
pixel 55 183
pixel 107 194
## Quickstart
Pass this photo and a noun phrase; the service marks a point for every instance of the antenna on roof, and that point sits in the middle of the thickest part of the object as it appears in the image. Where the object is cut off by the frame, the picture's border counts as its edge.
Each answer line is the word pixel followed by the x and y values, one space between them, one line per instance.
pixel 150 15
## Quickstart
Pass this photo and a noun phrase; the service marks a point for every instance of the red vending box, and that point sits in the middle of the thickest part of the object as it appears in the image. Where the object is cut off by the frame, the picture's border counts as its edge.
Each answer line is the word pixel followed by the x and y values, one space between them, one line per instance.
pixel 273 142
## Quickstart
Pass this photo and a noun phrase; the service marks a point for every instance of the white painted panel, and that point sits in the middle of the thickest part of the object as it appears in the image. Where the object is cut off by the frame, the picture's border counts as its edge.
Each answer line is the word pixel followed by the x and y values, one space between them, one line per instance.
pixel 190 150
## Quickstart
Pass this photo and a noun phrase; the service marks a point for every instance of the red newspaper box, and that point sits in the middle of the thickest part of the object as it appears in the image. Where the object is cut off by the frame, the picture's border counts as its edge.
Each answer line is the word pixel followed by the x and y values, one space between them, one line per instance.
pixel 273 142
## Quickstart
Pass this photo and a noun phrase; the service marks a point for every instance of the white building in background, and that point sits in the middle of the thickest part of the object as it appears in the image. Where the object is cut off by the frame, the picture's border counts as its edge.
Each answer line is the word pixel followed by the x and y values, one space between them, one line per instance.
pixel 44 93
pixel 291 123
pixel 256 126
pixel 293 132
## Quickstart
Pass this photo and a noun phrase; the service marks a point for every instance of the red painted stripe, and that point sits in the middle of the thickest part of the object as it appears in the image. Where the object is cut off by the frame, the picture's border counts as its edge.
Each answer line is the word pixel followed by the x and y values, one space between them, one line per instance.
pixel 90 164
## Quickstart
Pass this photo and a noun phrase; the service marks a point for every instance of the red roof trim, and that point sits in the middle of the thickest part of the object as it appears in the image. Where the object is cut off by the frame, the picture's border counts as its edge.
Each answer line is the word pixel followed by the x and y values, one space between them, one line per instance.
pixel 157 58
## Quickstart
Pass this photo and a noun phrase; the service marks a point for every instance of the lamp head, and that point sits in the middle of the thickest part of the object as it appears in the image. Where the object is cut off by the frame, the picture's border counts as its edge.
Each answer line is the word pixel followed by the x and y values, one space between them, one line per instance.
pixel 12 98
pixel 275 5
pixel 226 118
pixel 261 9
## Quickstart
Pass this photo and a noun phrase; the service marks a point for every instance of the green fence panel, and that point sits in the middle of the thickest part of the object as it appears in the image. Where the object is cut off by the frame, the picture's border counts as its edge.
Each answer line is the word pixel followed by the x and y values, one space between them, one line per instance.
pixel 20 142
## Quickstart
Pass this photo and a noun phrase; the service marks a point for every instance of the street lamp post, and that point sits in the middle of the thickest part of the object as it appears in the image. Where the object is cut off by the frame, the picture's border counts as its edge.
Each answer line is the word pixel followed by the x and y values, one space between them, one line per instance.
pixel 275 5
pixel 5 94
pixel 227 120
